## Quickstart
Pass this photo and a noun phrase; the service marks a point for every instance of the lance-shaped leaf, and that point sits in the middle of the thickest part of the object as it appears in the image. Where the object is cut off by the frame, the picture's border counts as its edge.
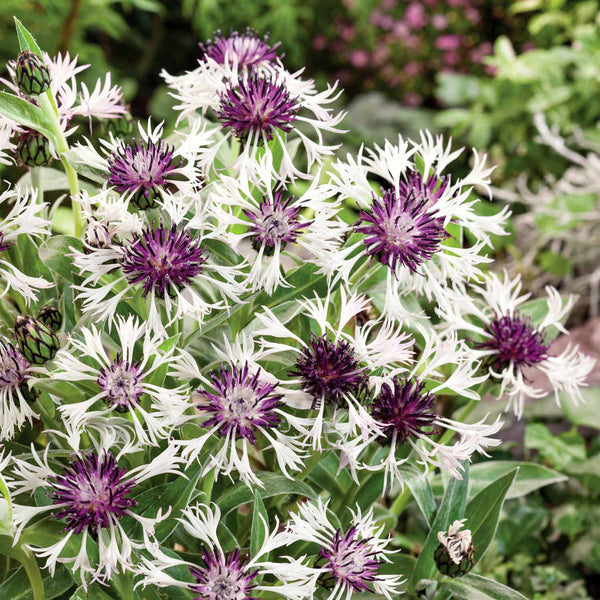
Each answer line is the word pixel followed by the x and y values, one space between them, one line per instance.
pixel 476 587
pixel 26 114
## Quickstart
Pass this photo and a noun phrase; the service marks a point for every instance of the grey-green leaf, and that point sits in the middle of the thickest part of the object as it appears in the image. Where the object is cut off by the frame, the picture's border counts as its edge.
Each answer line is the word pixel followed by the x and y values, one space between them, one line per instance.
pixel 24 113
pixel 483 512
pixel 476 587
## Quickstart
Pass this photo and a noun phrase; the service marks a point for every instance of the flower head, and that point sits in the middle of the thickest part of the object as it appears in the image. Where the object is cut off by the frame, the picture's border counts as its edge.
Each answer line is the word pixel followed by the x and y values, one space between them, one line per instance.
pixel 141 169
pixel 514 341
pixel 330 370
pixel 405 408
pixel 257 105
pixel 275 223
pixel 455 555
pixel 122 383
pixel 91 492
pixel 163 259
pixel 241 403
pixel 245 49
pixel 400 230
pixel 223 576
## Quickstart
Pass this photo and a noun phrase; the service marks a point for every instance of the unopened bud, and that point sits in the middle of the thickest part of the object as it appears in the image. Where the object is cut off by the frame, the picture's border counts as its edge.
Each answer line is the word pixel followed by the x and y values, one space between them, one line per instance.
pixel 120 127
pixel 37 342
pixel 97 235
pixel 455 555
pixel 33 149
pixel 32 75
pixel 50 316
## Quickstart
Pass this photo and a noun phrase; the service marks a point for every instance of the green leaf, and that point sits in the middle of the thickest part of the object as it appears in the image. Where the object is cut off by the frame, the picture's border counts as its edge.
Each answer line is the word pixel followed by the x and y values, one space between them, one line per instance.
pixel 559 450
pixel 18 587
pixel 587 412
pixel 274 485
pixel 6 526
pixel 24 113
pixel 93 592
pixel 56 253
pixel 530 477
pixel 422 493
pixel 26 40
pixel 451 509
pixel 260 520
pixel 483 512
pixel 476 587
pixel 83 168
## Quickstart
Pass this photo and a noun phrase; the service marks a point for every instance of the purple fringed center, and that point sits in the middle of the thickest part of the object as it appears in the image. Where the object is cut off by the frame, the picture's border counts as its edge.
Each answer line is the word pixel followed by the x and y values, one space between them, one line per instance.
pixel 246 49
pixel 330 370
pixel 515 341
pixel 4 245
pixel 91 492
pixel 257 105
pixel 405 408
pixel 351 561
pixel 400 230
pixel 275 222
pixel 122 383
pixel 163 259
pixel 13 366
pixel 223 576
pixel 140 168
pixel 241 402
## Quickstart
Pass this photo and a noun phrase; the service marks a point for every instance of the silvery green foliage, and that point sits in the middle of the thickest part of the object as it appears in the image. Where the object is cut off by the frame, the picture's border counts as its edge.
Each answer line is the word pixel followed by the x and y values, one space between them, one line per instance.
pixel 229 376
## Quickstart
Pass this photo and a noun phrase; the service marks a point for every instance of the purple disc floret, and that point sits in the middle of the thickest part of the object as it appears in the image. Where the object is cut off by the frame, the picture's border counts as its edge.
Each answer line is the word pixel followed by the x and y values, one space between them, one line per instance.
pixel 351 562
pixel 275 222
pixel 400 230
pixel 257 105
pixel 163 259
pixel 223 576
pixel 13 367
pixel 121 382
pixel 141 169
pixel 405 408
pixel 330 370
pixel 246 49
pixel 241 402
pixel 514 341
pixel 91 492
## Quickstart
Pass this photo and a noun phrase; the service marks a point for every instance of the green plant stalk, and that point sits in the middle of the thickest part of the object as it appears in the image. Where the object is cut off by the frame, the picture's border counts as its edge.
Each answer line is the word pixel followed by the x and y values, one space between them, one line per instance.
pixel 401 501
pixel 48 105
pixel 36 182
pixel 25 557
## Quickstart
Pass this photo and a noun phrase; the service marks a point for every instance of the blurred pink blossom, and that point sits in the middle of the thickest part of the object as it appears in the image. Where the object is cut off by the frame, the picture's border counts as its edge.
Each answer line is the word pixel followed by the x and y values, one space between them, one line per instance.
pixel 359 58
pixel 439 22
pixel 448 42
pixel 415 16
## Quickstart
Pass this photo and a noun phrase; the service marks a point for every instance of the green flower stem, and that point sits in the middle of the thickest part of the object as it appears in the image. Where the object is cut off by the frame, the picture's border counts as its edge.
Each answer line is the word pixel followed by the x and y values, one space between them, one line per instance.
pixel 48 105
pixel 26 558
pixel 401 501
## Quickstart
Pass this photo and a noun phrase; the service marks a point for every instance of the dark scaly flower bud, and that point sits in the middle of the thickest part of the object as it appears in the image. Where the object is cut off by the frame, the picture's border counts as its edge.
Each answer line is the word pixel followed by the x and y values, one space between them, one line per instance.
pixel 455 555
pixel 33 149
pixel 120 127
pixel 97 235
pixel 37 342
pixel 32 75
pixel 50 316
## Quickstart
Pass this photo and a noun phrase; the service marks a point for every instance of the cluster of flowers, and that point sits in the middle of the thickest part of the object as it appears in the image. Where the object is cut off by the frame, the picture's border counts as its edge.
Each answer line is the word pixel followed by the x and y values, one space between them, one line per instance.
pixel 239 304
pixel 403 45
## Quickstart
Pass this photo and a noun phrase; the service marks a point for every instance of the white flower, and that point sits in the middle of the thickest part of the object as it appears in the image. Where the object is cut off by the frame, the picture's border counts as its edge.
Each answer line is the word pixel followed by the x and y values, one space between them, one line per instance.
pixel 351 558
pixel 231 575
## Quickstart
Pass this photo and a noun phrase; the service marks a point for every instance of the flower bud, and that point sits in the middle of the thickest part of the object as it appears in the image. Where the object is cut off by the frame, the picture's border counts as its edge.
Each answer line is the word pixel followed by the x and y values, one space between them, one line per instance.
pixel 33 149
pixel 455 555
pixel 50 316
pixel 120 127
pixel 30 394
pixel 32 75
pixel 37 342
pixel 97 235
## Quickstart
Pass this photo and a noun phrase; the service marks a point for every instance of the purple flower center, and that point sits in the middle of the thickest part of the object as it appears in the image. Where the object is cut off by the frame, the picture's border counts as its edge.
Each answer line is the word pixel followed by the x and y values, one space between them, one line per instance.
pixel 404 408
pixel 515 341
pixel 91 492
pixel 163 259
pixel 141 168
pixel 275 223
pixel 330 370
pixel 13 366
pixel 241 402
pixel 245 48
pixel 122 384
pixel 351 561
pixel 429 191
pixel 257 106
pixel 223 576
pixel 400 230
